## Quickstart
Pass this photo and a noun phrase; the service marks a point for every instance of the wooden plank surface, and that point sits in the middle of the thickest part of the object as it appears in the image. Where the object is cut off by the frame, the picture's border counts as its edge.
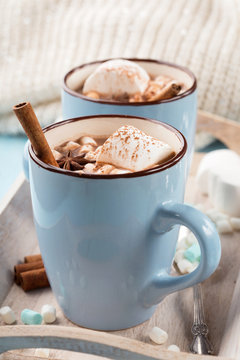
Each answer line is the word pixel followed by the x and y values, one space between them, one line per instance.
pixel 174 314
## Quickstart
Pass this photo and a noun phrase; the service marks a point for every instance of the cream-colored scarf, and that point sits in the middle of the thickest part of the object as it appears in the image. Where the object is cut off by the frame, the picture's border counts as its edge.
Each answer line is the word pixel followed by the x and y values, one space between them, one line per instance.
pixel 41 40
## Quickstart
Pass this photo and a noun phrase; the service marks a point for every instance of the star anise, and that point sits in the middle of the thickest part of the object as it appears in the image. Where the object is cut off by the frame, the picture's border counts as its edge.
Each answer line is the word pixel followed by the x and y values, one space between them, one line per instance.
pixel 71 162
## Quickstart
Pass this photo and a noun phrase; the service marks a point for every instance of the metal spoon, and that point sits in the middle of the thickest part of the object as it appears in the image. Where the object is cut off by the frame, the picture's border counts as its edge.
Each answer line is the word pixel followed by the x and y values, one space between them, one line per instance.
pixel 200 344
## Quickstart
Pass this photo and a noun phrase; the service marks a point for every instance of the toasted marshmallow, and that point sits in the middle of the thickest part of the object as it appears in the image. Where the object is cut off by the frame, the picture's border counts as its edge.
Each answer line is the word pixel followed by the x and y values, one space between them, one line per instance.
pixel 130 148
pixel 116 77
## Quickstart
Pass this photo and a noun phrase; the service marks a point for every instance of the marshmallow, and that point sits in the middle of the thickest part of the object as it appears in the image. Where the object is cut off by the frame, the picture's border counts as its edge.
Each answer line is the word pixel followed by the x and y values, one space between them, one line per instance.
pixel 119 171
pixel 235 223
pixel 48 313
pixel 105 169
pixel 185 266
pixel 7 315
pixel 219 176
pixel 30 317
pixel 173 348
pixel 116 77
pixel 42 353
pixel 158 335
pixel 71 145
pixel 224 226
pixel 129 148
pixel 193 253
pixel 179 255
pixel 87 140
pixel 89 168
pixel 86 148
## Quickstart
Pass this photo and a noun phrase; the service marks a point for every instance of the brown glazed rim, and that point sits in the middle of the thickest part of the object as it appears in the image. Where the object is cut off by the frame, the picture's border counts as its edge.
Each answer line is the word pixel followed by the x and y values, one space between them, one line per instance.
pixel 178 97
pixel 154 170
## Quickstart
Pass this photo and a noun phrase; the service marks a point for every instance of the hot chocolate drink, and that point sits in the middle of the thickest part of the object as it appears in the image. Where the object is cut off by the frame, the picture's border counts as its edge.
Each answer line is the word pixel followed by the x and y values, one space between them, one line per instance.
pixel 126 81
pixel 127 150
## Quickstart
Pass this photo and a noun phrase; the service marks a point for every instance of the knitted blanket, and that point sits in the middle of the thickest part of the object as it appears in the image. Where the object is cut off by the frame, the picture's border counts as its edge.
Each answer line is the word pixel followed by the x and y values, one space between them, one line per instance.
pixel 41 40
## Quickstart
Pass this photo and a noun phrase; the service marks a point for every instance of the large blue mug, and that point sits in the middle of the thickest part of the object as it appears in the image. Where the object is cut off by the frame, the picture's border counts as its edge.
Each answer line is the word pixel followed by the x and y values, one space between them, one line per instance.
pixel 108 241
pixel 180 111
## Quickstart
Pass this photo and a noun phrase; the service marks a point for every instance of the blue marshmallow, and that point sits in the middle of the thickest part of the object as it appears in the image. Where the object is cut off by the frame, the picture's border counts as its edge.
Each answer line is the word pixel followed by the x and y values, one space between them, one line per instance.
pixel 30 317
pixel 193 253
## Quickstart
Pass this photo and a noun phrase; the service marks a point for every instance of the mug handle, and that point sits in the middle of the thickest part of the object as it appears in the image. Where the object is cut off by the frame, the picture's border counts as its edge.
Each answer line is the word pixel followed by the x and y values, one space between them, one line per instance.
pixel 168 215
pixel 25 160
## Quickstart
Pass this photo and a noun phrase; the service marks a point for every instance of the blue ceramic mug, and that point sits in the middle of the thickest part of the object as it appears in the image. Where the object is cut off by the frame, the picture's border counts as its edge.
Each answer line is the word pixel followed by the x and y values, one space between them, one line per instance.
pixel 108 241
pixel 180 111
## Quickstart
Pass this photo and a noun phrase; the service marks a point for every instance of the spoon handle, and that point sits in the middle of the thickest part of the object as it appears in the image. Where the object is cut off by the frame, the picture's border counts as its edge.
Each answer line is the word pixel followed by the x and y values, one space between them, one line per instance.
pixel 200 343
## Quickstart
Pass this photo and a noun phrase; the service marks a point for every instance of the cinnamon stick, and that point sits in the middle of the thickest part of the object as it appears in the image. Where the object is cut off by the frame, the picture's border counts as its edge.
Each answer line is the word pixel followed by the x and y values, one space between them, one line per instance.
pixel 32 258
pixel 169 91
pixel 32 128
pixel 20 268
pixel 34 279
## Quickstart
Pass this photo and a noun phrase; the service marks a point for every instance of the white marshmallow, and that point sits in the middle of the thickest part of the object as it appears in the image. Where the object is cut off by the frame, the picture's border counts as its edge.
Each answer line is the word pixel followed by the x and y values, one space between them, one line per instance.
pixel 42 353
pixel 71 145
pixel 48 313
pixel 130 148
pixel 186 266
pixel 224 226
pixel 116 77
pixel 89 168
pixel 86 148
pixel 219 176
pixel 173 348
pixel 179 255
pixel 105 169
pixel 158 335
pixel 119 171
pixel 235 223
pixel 8 316
pixel 87 140
pixel 191 239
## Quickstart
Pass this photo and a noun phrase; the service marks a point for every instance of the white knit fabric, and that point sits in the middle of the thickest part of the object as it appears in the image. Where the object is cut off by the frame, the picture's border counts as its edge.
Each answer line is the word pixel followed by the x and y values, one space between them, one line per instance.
pixel 41 40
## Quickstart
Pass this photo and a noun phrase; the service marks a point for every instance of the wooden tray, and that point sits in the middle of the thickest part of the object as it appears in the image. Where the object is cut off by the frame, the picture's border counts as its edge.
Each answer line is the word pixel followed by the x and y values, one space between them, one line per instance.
pixel 175 314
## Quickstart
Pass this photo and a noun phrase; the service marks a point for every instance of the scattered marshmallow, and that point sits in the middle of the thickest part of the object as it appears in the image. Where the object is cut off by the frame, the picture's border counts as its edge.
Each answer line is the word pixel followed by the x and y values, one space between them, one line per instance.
pixel 179 255
pixel 30 317
pixel 224 226
pixel 185 266
pixel 87 140
pixel 191 240
pixel 42 353
pixel 173 348
pixel 158 335
pixel 48 313
pixel 218 176
pixel 7 315
pixel 235 223
pixel 193 253
pixel 212 214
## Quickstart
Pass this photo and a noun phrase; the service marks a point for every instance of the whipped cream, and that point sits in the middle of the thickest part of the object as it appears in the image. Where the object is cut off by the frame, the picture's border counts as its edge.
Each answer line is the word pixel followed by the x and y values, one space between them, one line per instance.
pixel 116 77
pixel 130 148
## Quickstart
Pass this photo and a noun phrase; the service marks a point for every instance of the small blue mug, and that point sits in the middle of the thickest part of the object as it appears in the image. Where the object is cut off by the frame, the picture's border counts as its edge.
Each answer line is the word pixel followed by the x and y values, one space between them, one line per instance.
pixel 108 241
pixel 180 111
